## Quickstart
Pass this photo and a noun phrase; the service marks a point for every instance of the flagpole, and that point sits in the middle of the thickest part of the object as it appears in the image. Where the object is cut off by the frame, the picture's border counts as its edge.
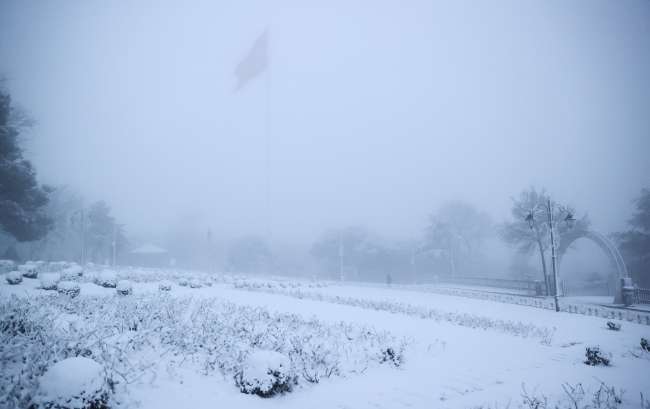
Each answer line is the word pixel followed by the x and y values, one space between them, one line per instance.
pixel 268 135
pixel 210 251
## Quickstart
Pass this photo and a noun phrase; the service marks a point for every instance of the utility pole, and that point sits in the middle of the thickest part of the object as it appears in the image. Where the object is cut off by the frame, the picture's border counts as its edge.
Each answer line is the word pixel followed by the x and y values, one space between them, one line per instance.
pixel 210 251
pixel 341 255
pixel 81 212
pixel 114 241
pixel 415 277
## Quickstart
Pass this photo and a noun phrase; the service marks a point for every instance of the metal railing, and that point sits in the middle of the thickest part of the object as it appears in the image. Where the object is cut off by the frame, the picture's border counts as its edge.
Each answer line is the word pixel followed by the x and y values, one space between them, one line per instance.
pixel 642 295
pixel 507 283
pixel 592 288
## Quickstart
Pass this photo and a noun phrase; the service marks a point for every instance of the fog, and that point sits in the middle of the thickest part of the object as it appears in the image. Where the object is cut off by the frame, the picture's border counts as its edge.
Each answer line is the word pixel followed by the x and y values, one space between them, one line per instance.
pixel 373 113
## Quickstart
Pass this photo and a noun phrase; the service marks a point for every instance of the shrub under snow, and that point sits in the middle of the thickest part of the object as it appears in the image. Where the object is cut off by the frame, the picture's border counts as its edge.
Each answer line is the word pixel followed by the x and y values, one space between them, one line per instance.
pixel 49 281
pixel 28 270
pixel 15 277
pixel 182 281
pixel 165 285
pixel 68 288
pixel 124 287
pixel 71 273
pixel 195 283
pixel 107 278
pixel 265 374
pixel 57 266
pixel 77 382
pixel 7 266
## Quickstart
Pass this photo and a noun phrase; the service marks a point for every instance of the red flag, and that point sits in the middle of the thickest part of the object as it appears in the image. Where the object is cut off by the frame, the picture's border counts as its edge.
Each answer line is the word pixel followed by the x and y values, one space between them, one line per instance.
pixel 254 63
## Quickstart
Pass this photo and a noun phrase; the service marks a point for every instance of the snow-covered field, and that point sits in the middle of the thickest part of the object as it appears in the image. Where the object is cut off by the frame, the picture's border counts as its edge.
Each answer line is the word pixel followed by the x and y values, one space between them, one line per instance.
pixel 349 346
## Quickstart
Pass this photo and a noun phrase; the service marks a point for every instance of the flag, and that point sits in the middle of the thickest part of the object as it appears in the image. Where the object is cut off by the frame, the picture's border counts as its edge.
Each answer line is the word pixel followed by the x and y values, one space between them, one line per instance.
pixel 254 63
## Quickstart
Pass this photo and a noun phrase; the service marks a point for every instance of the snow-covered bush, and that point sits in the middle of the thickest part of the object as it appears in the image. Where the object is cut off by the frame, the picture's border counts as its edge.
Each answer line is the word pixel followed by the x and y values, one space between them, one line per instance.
pixel 78 383
pixel 595 356
pixel 208 282
pixel 124 287
pixel 56 266
pixel 49 281
pixel 107 278
pixel 165 285
pixel 613 326
pixel 645 345
pixel 265 374
pixel 182 281
pixel 7 266
pixel 71 273
pixel 15 277
pixel 68 288
pixel 195 283
pixel 28 270
pixel 176 275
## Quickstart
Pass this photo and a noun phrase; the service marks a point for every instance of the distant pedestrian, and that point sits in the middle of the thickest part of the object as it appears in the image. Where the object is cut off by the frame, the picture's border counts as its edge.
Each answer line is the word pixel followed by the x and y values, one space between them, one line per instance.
pixel 388 279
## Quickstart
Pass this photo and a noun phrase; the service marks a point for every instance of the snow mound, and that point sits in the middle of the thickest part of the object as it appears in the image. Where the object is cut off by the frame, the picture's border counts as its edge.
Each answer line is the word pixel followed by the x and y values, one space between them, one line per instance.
pixel 182 281
pixel 76 382
pixel 107 278
pixel 208 282
pixel 71 273
pixel 28 270
pixel 165 285
pixel 68 288
pixel 195 283
pixel 265 374
pixel 15 277
pixel 49 281
pixel 124 287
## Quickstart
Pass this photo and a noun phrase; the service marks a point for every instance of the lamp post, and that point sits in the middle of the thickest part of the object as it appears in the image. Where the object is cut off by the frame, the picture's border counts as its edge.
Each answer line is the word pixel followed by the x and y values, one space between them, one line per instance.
pixel 569 219
pixel 81 212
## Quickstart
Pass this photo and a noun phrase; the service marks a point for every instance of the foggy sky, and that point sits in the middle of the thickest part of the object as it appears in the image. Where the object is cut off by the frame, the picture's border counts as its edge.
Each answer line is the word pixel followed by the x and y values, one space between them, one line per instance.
pixel 379 111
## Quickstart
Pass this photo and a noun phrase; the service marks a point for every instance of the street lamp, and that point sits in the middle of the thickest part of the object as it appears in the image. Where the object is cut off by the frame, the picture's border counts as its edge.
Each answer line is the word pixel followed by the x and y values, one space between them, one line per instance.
pixel 569 219
pixel 81 212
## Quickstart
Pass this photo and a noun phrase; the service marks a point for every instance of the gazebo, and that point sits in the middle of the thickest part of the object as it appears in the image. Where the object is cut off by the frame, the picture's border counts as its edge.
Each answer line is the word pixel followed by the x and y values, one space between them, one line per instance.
pixel 149 255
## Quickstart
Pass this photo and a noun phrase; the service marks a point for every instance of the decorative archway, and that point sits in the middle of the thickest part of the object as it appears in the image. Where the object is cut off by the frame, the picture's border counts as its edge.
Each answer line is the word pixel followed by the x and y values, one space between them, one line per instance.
pixel 615 260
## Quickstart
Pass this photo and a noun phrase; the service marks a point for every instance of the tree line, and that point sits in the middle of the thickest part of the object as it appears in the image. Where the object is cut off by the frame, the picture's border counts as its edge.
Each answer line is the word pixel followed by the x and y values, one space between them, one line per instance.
pixel 45 219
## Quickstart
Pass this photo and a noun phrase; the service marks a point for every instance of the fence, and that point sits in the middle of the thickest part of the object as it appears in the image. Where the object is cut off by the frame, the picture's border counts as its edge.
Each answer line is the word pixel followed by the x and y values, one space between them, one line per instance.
pixel 642 295
pixel 593 288
pixel 511 284
pixel 545 303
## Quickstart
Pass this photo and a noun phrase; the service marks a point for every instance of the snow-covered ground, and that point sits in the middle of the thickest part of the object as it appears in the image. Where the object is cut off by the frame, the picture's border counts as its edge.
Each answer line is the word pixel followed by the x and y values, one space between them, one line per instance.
pixel 460 352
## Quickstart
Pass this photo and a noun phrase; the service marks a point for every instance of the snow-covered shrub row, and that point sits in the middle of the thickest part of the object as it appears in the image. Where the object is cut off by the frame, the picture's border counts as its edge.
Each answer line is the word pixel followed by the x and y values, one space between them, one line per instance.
pixel 136 337
pixel 462 319
pixel 7 266
pixel 57 266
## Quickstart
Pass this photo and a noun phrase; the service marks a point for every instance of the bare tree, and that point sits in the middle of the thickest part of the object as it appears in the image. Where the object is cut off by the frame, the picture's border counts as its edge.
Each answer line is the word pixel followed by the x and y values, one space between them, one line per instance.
pixel 517 234
pixel 457 231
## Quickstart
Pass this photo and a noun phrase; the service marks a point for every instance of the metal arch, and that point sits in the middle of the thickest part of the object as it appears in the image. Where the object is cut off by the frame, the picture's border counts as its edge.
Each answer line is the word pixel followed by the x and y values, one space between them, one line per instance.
pixel 615 260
